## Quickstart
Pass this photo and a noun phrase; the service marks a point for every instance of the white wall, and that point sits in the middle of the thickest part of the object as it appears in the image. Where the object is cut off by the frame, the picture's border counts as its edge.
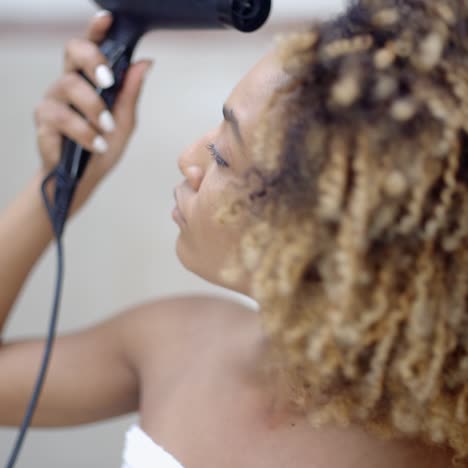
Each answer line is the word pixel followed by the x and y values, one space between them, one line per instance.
pixel 120 249
pixel 45 10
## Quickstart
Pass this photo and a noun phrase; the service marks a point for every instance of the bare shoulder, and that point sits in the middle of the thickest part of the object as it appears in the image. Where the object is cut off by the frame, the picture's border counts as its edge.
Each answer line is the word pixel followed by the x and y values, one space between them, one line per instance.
pixel 187 313
pixel 166 333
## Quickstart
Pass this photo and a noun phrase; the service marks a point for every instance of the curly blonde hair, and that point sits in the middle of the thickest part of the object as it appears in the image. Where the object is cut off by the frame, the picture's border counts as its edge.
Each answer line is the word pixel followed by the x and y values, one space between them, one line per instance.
pixel 358 246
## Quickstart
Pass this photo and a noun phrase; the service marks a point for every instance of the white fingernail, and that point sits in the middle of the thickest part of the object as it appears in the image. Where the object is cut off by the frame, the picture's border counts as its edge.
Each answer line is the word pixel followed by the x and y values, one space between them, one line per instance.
pixel 100 145
pixel 106 121
pixel 101 13
pixel 104 76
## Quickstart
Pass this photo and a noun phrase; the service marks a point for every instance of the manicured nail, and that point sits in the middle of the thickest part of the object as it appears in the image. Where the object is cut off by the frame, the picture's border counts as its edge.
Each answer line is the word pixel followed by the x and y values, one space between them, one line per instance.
pixel 106 121
pixel 104 76
pixel 102 13
pixel 100 145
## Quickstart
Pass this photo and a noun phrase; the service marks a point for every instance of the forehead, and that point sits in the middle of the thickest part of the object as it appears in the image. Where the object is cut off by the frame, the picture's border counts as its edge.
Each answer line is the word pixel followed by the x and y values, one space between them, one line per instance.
pixel 252 93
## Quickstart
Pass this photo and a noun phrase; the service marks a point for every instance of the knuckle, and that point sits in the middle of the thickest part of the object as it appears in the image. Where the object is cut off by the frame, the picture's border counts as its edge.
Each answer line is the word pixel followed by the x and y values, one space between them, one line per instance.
pixel 62 116
pixel 43 112
pixel 68 81
pixel 52 90
pixel 87 101
pixel 96 104
pixel 84 132
pixel 70 48
pixel 98 57
pixel 90 53
pixel 42 133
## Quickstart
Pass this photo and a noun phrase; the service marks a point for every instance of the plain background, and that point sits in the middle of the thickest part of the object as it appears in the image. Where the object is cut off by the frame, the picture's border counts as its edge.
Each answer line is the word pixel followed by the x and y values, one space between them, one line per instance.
pixel 120 248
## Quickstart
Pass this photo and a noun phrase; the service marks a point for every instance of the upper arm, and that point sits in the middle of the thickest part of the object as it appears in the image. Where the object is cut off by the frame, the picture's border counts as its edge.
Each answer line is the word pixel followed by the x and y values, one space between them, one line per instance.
pixel 94 374
pixel 89 377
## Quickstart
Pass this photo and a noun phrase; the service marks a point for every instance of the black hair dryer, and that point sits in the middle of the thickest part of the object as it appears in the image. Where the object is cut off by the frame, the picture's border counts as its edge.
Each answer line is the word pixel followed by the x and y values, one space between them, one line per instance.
pixel 132 19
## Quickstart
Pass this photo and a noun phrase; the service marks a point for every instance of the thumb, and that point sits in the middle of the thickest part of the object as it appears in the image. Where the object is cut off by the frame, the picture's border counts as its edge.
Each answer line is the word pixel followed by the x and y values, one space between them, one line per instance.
pixel 127 100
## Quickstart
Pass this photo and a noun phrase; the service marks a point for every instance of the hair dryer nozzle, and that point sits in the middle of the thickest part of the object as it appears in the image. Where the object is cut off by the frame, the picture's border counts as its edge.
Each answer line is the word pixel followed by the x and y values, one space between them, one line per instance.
pixel 244 15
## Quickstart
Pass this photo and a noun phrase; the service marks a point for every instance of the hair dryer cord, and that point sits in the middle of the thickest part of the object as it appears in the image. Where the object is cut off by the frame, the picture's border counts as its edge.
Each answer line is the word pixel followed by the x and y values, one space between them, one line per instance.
pixel 57 216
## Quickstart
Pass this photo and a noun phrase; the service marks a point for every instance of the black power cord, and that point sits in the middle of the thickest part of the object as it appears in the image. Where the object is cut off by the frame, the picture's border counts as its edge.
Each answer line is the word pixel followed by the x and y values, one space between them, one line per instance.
pixel 57 214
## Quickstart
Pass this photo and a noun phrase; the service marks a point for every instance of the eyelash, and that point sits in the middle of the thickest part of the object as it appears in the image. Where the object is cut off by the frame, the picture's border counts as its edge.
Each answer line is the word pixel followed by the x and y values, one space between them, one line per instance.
pixel 216 156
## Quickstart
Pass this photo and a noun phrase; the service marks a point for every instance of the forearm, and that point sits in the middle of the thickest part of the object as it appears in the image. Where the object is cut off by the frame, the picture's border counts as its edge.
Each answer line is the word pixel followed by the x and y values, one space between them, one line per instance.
pixel 25 233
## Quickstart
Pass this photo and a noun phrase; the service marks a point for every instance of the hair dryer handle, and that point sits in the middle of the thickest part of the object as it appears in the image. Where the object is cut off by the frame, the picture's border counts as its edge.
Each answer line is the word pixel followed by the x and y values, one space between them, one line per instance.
pixel 118 47
pixel 74 157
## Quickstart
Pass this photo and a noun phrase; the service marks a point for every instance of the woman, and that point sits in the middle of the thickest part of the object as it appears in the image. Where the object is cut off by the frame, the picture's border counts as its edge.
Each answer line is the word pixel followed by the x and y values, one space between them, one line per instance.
pixel 335 194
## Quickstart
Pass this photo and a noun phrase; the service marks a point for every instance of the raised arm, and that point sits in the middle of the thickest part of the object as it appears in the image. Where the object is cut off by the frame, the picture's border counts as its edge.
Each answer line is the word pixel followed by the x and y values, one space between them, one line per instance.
pixel 25 231
pixel 90 376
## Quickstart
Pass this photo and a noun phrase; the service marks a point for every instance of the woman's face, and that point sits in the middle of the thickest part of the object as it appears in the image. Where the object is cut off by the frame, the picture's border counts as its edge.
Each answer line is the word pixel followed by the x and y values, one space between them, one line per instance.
pixel 212 167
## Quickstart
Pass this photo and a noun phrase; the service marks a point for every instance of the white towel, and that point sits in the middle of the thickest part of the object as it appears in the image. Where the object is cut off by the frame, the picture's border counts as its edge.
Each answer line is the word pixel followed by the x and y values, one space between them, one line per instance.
pixel 142 452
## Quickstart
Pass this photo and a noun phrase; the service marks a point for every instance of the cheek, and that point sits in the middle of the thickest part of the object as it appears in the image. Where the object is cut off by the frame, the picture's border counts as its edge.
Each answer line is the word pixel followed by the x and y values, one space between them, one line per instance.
pixel 204 246
pixel 211 196
pixel 205 236
pixel 201 199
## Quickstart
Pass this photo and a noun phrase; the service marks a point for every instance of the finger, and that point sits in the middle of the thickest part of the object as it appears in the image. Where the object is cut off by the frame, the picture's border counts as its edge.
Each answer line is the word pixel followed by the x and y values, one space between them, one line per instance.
pixel 98 26
pixel 82 55
pixel 127 100
pixel 50 143
pixel 73 89
pixel 60 117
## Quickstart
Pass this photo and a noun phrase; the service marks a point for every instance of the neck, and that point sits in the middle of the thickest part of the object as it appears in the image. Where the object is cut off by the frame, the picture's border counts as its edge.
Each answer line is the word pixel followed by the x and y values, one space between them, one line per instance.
pixel 263 371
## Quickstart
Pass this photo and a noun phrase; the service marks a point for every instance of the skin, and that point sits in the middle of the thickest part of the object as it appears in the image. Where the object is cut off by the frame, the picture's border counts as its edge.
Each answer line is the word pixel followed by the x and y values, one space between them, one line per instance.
pixel 191 356
pixel 203 243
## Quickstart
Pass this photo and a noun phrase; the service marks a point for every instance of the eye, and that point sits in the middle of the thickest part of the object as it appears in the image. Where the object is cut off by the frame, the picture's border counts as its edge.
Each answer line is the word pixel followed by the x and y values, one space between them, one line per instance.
pixel 216 156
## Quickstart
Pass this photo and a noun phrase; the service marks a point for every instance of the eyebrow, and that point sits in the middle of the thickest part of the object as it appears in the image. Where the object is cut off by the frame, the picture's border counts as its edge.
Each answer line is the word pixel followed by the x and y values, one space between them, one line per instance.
pixel 230 117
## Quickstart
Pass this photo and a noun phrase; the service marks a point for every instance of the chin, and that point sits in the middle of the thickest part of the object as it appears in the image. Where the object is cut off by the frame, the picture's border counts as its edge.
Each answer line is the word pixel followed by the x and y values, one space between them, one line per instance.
pixel 191 262
pixel 211 273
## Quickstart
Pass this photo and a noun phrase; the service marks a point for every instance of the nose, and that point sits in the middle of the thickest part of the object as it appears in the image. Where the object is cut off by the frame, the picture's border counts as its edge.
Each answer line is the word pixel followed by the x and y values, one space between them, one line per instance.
pixel 192 164
pixel 194 176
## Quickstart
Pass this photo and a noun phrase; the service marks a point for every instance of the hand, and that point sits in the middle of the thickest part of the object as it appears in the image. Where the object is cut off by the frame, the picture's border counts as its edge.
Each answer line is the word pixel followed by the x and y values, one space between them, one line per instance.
pixel 104 134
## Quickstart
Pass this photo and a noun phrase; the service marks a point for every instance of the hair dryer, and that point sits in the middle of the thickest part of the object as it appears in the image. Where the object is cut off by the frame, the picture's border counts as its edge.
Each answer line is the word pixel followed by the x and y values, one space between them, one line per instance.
pixel 132 19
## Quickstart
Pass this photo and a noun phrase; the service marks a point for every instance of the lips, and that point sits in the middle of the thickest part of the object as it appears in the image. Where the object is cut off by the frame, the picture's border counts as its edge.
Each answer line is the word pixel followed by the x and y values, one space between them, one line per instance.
pixel 177 205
